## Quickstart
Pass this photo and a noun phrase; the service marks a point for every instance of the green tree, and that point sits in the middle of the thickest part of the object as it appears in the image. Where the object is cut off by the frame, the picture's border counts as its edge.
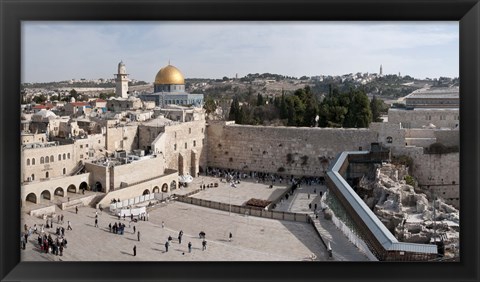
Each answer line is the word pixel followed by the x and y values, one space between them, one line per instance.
pixel 376 106
pixel 209 105
pixel 234 109
pixel 260 101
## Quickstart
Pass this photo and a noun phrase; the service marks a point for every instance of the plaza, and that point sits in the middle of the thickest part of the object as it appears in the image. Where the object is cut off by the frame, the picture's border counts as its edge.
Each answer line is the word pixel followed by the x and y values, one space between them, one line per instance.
pixel 254 238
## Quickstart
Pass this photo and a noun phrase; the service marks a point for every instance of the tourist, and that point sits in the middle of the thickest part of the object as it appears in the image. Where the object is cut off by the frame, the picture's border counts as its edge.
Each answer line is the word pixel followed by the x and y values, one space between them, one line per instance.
pixel 163 224
pixel 134 250
pixel 230 237
pixel 134 229
pixel 166 246
pixel 69 226
pixel 204 245
pixel 76 210
pixel 61 218
pixel 138 235
pixel 189 247
pixel 179 239
pixel 96 222
pixel 110 227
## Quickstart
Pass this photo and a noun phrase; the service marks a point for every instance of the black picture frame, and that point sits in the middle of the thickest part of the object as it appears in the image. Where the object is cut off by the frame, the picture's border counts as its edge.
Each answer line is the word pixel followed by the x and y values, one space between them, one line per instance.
pixel 12 13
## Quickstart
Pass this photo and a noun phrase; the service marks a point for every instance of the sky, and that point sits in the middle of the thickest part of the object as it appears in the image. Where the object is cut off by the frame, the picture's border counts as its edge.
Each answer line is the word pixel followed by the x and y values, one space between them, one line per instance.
pixel 56 51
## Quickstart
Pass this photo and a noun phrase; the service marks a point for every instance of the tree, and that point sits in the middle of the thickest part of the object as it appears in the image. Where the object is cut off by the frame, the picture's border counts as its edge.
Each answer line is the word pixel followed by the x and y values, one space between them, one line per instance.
pixel 376 107
pixel 40 99
pixel 209 105
pixel 260 101
pixel 234 110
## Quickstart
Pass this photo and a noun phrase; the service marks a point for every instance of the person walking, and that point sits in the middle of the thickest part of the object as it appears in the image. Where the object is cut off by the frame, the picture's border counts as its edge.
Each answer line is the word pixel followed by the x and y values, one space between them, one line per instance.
pixel 163 224
pixel 138 235
pixel 230 237
pixel 179 239
pixel 189 247
pixel 166 246
pixel 134 229
pixel 96 222
pixel 76 210
pixel 69 226
pixel 110 227
pixel 204 245
pixel 134 250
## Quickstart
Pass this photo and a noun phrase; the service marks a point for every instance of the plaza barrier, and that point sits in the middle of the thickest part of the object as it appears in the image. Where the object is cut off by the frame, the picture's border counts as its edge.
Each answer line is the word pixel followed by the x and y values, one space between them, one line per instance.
pixel 135 211
pixel 132 201
pixel 244 210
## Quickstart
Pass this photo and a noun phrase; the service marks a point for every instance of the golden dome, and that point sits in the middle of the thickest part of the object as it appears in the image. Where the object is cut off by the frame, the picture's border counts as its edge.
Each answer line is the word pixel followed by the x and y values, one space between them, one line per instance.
pixel 169 75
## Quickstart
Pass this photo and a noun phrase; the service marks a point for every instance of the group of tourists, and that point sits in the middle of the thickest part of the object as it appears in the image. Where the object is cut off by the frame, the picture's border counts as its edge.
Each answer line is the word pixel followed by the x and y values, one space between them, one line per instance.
pixel 46 243
pixel 117 228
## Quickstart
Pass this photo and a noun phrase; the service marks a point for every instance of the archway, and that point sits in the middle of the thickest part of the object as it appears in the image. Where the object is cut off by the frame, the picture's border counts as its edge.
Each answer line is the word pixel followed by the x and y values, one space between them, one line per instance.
pixel 156 189
pixel 46 195
pixel 59 192
pixel 146 192
pixel 98 187
pixel 31 198
pixel 165 188
pixel 173 185
pixel 72 189
pixel 84 186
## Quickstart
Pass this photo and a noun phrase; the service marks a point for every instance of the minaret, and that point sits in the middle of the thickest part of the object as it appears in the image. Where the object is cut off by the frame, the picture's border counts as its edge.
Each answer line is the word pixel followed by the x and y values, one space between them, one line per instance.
pixel 381 70
pixel 121 81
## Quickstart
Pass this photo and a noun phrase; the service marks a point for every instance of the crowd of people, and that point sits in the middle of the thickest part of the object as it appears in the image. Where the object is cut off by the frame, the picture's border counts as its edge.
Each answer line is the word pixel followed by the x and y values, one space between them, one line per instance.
pixel 45 242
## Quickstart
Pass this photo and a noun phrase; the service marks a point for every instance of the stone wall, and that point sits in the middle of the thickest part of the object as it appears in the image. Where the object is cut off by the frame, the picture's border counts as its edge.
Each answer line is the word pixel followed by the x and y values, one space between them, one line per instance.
pixel 137 171
pixel 185 147
pixel 448 137
pixel 122 138
pixel 286 150
pixel 436 172
pixel 389 132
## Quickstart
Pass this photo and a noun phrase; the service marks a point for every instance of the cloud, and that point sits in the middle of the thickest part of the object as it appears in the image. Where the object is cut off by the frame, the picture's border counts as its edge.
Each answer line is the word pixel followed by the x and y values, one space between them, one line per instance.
pixel 63 50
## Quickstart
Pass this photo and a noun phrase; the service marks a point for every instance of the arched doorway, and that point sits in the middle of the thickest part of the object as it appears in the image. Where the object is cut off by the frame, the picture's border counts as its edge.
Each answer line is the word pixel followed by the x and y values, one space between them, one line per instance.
pixel 173 185
pixel 72 189
pixel 146 192
pixel 31 198
pixel 84 186
pixel 46 195
pixel 98 187
pixel 156 189
pixel 165 188
pixel 59 192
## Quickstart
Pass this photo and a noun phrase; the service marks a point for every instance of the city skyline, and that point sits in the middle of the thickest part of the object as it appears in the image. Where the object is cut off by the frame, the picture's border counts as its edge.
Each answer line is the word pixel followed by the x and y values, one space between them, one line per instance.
pixel 56 51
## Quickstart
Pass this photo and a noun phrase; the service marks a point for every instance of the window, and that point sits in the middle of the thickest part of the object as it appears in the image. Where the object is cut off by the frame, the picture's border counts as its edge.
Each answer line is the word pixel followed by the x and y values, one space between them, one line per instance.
pixel 51 159
pixel 33 161
pixel 42 160
pixel 64 156
pixel 194 143
pixel 389 139
pixel 68 155
pixel 59 157
pixel 189 131
pixel 86 145
pixel 442 117
pixel 428 117
pixel 98 141
pixel 64 170
pixel 81 156
pixel 46 174
pixel 175 147
pixel 47 160
pixel 81 146
pixel 202 130
pixel 185 145
pixel 28 161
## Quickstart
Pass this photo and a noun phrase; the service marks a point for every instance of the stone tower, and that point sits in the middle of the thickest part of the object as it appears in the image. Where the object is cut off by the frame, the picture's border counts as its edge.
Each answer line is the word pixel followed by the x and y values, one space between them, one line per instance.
pixel 121 80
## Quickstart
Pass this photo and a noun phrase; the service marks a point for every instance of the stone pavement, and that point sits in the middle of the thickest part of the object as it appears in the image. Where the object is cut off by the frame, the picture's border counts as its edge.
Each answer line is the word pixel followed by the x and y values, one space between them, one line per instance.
pixel 254 239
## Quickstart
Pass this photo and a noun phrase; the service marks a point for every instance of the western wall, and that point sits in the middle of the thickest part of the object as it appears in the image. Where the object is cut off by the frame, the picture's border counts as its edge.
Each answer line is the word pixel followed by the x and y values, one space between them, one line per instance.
pixel 284 150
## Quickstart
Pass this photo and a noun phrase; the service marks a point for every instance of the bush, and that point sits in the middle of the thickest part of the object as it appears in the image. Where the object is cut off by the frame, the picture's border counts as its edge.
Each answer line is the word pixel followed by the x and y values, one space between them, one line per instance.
pixel 439 148
pixel 410 180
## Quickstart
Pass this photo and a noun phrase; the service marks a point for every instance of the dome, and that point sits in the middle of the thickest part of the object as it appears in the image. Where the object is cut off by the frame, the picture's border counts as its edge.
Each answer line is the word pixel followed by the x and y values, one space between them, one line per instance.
pixel 45 114
pixel 169 75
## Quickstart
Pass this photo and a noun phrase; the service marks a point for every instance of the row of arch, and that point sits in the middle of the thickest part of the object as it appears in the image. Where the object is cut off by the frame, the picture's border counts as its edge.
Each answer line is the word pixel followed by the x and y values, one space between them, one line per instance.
pixel 49 194
pixel 164 189
pixel 47 159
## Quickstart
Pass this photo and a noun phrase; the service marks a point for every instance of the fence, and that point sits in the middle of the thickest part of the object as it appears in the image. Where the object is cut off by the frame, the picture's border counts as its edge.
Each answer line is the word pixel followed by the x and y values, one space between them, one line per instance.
pixel 259 212
pixel 359 243
pixel 132 201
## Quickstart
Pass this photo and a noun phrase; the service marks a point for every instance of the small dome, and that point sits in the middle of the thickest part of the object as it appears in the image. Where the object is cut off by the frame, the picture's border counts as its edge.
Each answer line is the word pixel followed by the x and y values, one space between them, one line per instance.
pixel 169 75
pixel 45 114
